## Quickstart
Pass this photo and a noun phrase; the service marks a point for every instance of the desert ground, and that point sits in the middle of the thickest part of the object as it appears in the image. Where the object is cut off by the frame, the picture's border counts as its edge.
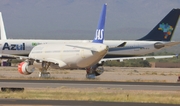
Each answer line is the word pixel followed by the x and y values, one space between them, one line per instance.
pixel 134 74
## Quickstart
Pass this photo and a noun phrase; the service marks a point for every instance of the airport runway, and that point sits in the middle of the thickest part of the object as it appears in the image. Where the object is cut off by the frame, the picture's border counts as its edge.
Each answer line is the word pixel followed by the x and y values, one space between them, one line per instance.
pixel 90 84
pixel 20 102
pixel 83 84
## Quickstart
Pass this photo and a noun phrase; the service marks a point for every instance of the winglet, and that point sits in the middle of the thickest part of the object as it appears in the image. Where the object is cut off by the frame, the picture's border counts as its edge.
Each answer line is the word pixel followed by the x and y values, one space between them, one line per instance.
pixel 99 35
pixel 3 33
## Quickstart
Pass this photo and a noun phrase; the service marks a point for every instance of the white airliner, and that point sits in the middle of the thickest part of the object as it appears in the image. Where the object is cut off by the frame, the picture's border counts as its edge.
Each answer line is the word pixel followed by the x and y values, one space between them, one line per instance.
pixel 66 56
pixel 158 38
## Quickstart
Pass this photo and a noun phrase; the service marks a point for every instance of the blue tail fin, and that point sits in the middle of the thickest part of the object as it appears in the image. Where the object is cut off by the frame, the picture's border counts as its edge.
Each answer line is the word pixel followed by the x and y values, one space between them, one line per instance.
pixel 99 35
pixel 164 30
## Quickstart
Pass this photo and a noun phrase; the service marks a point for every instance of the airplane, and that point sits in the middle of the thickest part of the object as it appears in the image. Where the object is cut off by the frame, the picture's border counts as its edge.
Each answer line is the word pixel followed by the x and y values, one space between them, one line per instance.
pixel 157 39
pixel 66 56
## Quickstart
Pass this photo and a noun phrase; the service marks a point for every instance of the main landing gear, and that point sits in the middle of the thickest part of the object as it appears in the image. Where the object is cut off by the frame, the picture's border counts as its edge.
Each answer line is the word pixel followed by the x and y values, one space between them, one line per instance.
pixel 43 71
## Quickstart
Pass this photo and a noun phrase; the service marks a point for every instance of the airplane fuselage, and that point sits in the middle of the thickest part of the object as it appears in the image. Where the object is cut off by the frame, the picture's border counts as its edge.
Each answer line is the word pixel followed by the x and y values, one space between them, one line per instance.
pixel 117 48
pixel 70 56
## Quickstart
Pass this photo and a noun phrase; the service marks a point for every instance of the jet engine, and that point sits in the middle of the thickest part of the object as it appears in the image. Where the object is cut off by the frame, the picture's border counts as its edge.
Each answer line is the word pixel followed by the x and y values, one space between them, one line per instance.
pixel 94 70
pixel 159 45
pixel 26 68
pixel 98 69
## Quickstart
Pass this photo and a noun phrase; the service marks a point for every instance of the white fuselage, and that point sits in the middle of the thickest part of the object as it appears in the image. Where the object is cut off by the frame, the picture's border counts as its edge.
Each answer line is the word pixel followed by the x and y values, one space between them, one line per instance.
pixel 70 55
pixel 131 48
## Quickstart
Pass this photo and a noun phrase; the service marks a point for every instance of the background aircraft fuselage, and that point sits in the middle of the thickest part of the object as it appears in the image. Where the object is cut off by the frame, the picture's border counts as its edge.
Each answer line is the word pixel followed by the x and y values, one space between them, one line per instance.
pixel 117 48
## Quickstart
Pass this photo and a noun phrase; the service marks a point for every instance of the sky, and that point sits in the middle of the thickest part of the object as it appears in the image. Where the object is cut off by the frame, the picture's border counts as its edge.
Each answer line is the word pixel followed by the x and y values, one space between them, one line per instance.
pixel 78 19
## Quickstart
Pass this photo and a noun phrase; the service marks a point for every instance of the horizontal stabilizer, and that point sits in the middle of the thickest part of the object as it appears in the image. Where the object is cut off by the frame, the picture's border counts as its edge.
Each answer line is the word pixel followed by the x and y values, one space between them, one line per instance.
pixel 171 43
pixel 122 45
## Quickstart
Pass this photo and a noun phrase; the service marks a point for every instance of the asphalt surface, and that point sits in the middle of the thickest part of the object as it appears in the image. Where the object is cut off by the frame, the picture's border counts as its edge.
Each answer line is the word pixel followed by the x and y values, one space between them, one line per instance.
pixel 90 84
pixel 74 103
pixel 84 84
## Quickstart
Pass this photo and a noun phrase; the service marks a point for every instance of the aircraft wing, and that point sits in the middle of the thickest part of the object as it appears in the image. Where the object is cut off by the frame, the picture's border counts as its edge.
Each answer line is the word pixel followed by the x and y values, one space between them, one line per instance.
pixel 51 60
pixel 55 61
pixel 61 63
pixel 15 56
pixel 92 49
pixel 121 59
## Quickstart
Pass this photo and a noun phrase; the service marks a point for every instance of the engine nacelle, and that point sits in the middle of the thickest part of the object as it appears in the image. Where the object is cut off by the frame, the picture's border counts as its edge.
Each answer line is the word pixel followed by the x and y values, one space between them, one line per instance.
pixel 97 69
pixel 25 68
pixel 159 45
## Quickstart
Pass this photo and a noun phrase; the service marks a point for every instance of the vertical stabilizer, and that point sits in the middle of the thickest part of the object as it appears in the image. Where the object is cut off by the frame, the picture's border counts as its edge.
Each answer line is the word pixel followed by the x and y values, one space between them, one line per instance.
pixel 3 33
pixel 164 30
pixel 99 35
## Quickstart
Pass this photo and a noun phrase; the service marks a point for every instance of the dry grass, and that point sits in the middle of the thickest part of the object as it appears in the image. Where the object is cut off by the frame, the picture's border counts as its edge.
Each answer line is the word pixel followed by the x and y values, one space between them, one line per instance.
pixel 96 94
pixel 111 74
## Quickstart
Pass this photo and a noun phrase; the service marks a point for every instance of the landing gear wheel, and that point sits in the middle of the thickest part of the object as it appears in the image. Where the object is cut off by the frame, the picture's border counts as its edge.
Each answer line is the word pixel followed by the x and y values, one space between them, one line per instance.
pixel 44 74
pixel 90 76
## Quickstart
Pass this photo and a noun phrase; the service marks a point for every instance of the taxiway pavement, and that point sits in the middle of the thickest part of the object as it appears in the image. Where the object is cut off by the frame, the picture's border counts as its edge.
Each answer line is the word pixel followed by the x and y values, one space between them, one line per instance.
pixel 90 84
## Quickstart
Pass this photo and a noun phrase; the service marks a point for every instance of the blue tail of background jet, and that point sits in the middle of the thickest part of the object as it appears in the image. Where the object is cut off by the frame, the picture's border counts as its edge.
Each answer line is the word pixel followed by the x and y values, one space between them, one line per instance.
pixel 164 30
pixel 99 35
